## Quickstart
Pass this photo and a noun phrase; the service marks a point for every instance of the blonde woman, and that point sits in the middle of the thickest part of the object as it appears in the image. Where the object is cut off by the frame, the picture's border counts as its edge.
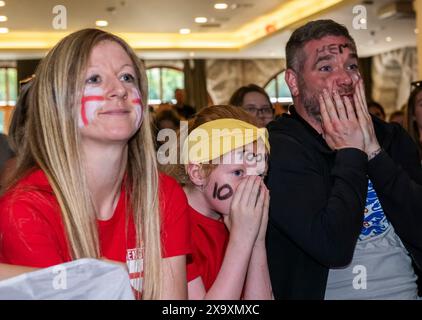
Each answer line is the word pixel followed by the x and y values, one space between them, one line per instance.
pixel 86 182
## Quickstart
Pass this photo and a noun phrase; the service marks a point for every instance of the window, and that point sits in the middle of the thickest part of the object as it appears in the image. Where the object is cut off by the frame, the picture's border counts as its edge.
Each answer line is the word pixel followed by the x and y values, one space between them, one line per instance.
pixel 8 93
pixel 278 90
pixel 1 122
pixel 8 86
pixel 162 81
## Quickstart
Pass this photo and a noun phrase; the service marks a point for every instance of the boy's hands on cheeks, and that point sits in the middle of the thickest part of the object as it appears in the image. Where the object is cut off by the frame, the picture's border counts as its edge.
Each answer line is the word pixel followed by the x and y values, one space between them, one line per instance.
pixel 247 209
pixel 265 208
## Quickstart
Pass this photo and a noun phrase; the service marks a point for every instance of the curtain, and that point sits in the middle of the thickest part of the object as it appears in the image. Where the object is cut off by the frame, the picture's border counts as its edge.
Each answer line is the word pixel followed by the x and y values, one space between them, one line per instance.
pixel 365 66
pixel 196 93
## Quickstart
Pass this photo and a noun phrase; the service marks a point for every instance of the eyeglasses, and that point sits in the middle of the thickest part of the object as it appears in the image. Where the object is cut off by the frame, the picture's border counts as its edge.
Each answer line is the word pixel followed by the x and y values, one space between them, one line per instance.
pixel 266 112
pixel 416 83
pixel 416 87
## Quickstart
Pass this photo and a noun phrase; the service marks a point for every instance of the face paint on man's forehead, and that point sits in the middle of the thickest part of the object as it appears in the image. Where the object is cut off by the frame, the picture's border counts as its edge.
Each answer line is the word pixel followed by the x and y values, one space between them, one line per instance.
pixel 335 48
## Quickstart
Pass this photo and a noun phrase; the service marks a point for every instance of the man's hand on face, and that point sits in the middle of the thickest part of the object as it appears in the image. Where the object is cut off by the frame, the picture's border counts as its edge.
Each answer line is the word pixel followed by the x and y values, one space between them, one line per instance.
pixel 341 128
pixel 365 120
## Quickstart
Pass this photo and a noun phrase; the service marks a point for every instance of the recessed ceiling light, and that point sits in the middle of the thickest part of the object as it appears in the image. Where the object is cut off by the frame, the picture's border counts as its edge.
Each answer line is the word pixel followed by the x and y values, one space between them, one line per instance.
pixel 221 6
pixel 184 31
pixel 4 30
pixel 201 19
pixel 388 39
pixel 2 3
pixel 101 23
pixel 3 18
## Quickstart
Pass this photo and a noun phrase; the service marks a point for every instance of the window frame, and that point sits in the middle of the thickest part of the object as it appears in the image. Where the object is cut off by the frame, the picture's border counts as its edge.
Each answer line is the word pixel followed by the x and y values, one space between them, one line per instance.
pixel 7 105
pixel 161 91
pixel 278 98
pixel 8 100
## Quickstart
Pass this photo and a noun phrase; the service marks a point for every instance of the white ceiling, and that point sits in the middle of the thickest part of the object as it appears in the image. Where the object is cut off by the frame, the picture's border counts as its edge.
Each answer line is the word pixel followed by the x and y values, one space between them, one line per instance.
pixel 169 16
pixel 135 15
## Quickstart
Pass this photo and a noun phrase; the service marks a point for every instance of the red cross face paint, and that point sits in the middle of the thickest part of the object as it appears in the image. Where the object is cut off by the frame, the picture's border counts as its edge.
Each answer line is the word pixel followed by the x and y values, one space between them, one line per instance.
pixel 92 101
pixel 137 104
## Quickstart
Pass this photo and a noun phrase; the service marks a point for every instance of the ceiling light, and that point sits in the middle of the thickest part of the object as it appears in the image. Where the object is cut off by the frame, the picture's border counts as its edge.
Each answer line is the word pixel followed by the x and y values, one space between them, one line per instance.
pixel 388 39
pixel 221 6
pixel 184 31
pixel 2 3
pixel 3 18
pixel 201 19
pixel 4 30
pixel 101 23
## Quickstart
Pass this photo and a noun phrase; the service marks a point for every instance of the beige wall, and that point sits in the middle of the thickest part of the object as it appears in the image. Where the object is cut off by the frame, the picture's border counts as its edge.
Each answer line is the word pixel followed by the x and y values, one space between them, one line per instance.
pixel 225 76
pixel 392 73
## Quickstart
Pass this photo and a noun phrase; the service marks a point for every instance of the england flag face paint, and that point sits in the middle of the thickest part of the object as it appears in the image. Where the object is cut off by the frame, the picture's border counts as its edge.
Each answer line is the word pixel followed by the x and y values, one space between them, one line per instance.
pixel 92 101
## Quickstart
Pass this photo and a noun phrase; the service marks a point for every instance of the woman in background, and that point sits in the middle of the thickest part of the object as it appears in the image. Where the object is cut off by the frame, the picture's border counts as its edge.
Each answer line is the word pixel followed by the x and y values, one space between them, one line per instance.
pixel 254 100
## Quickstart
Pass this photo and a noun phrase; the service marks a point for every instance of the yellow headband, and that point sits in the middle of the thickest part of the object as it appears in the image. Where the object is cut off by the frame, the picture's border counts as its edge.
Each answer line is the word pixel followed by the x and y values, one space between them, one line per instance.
pixel 215 138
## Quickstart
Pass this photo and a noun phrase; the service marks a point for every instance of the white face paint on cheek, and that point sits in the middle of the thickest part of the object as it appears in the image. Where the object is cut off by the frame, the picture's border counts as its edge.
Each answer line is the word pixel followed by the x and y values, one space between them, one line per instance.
pixel 137 104
pixel 92 101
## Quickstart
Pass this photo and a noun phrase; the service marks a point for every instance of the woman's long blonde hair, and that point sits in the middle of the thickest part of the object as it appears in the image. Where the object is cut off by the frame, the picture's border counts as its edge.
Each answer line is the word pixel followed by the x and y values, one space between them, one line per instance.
pixel 52 142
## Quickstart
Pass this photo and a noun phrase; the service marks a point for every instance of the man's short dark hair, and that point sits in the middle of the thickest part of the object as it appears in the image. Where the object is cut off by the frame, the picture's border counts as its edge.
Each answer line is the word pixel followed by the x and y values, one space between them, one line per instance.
pixel 313 30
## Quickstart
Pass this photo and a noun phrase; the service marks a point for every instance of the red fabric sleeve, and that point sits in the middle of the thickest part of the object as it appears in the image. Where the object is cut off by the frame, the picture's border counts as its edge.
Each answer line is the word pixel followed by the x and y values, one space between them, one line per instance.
pixel 31 232
pixel 175 231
